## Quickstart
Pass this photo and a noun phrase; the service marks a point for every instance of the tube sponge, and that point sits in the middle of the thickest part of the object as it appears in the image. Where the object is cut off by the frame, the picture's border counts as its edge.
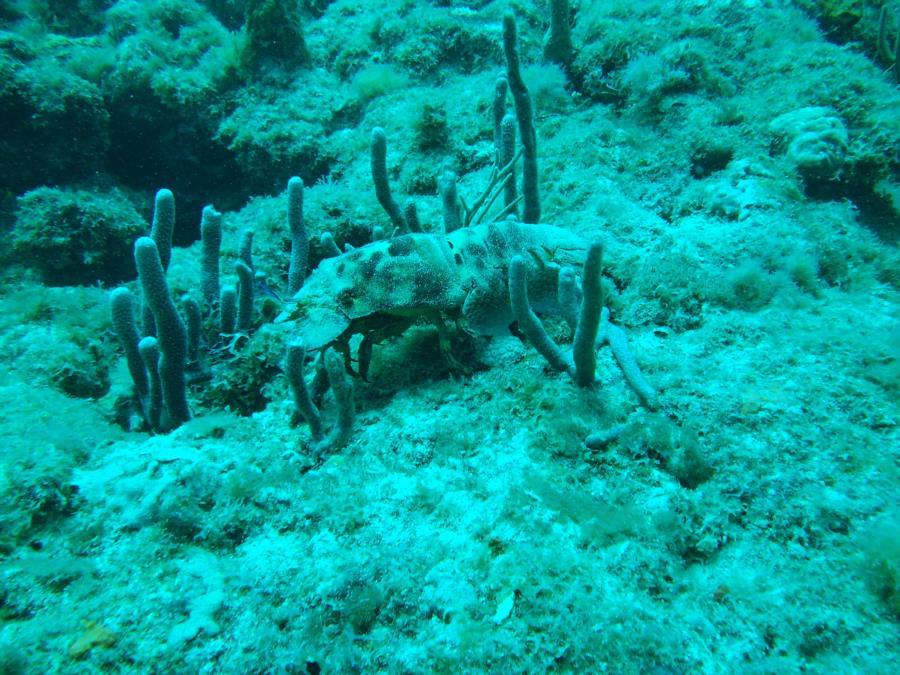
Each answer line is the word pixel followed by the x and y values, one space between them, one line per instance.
pixel 380 178
pixel 121 304
pixel 341 387
pixel 299 239
pixel 170 330
pixel 584 352
pixel 211 237
pixel 525 116
pixel 163 225
pixel 528 321
pixel 245 296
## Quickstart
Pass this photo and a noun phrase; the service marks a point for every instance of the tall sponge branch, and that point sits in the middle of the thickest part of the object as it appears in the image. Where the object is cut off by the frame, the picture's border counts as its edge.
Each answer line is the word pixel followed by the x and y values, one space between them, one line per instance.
pixel 170 329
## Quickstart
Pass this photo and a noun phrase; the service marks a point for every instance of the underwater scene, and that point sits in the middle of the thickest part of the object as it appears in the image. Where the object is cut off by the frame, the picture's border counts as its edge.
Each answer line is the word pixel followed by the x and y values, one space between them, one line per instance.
pixel 450 336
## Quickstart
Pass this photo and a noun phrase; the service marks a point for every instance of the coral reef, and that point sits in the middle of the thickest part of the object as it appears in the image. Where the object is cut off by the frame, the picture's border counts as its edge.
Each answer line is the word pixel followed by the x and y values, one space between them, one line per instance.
pixel 76 237
pixel 728 507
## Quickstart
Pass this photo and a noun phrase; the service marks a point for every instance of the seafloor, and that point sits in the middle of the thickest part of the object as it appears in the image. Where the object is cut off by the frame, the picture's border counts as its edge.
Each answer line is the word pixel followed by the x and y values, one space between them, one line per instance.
pixel 739 161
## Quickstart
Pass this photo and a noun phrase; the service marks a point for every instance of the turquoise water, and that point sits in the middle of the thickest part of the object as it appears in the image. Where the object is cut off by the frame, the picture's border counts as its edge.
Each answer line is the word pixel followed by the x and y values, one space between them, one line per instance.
pixel 353 424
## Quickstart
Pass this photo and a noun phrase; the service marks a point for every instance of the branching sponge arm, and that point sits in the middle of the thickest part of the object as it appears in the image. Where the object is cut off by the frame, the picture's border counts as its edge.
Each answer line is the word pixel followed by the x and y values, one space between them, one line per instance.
pixel 211 239
pixel 618 342
pixel 584 350
pixel 149 349
pixel 343 396
pixel 380 178
pixel 163 226
pixel 296 357
pixel 303 399
pixel 299 239
pixel 245 296
pixel 121 304
pixel 528 321
pixel 524 114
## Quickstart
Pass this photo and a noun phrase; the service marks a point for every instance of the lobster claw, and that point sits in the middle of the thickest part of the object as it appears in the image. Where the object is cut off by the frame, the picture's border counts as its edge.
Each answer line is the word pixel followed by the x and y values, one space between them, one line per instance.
pixel 321 327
